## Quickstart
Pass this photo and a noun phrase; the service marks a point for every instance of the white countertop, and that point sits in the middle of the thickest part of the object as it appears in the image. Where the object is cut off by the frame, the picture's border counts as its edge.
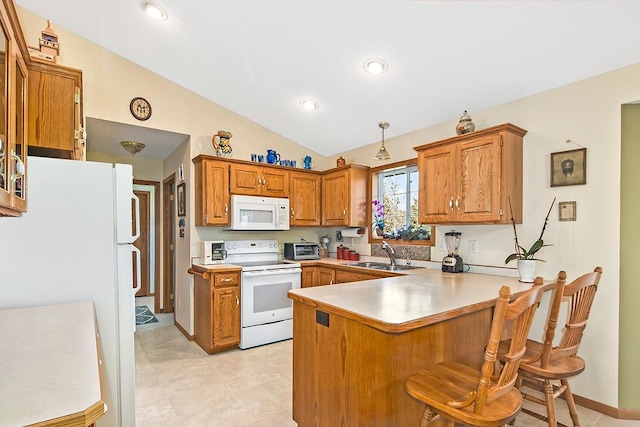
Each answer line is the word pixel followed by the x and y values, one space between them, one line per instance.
pixel 48 363
pixel 422 297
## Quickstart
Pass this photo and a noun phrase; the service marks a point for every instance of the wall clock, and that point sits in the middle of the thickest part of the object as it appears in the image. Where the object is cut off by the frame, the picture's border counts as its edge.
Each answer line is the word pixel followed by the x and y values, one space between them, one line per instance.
pixel 140 108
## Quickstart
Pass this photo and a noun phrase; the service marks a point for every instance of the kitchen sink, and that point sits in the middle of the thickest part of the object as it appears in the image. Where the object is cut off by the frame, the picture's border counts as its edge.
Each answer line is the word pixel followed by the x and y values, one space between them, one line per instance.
pixel 382 266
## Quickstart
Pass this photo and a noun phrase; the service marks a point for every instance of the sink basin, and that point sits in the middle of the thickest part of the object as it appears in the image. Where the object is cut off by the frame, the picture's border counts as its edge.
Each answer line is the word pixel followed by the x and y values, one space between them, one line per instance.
pixel 382 266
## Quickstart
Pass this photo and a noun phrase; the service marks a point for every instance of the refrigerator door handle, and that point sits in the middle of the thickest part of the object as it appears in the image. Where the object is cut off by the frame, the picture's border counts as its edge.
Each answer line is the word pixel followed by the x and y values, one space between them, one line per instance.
pixel 138 270
pixel 136 215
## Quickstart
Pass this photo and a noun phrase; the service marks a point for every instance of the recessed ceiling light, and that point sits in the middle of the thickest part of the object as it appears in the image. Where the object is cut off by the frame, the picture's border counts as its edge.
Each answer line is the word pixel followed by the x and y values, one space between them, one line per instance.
pixel 310 104
pixel 154 10
pixel 376 66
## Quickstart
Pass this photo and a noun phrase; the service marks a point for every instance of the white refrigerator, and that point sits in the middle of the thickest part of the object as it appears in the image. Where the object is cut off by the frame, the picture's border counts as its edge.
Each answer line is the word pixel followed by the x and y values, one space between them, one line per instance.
pixel 75 244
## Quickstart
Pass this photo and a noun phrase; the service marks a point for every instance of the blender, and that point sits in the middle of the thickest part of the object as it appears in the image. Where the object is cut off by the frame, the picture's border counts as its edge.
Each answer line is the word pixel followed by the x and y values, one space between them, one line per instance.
pixel 452 263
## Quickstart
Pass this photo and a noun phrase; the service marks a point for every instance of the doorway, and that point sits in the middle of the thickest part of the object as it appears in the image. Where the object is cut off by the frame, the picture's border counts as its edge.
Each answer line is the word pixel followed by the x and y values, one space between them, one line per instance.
pixel 148 193
pixel 168 244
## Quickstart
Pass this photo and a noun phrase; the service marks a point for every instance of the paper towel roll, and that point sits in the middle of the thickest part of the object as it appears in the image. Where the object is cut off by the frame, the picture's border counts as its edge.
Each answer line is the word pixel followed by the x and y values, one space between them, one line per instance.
pixel 352 232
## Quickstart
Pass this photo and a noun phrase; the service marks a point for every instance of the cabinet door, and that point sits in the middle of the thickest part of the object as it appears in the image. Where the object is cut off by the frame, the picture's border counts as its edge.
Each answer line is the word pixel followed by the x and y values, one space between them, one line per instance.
pixel 309 277
pixel 346 276
pixel 52 110
pixel 275 182
pixel 479 163
pixel 304 199
pixel 335 198
pixel 259 181
pixel 226 316
pixel 212 193
pixel 438 190
pixel 246 179
pixel 326 276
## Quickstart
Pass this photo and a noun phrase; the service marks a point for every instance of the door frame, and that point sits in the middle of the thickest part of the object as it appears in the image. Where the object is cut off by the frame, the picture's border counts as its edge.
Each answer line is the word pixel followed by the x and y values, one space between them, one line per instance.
pixel 168 231
pixel 157 286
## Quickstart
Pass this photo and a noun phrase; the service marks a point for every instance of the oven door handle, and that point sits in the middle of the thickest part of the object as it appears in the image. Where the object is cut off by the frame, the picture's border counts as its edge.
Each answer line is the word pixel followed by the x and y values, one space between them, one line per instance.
pixel 276 272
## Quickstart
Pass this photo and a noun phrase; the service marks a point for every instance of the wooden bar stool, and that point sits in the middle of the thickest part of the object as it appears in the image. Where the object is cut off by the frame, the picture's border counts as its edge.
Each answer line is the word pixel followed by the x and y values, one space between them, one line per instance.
pixel 463 395
pixel 548 369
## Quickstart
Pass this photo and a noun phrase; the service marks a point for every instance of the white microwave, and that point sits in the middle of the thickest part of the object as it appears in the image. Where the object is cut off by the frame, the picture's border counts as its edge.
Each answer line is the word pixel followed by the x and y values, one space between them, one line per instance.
pixel 259 213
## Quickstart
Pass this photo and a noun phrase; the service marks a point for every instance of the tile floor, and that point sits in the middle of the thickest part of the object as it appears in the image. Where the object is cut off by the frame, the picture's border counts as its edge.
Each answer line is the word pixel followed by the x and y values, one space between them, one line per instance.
pixel 179 385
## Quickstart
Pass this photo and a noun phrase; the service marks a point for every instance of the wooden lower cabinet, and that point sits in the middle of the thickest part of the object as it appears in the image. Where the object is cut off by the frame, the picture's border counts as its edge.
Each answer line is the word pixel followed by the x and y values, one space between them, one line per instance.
pixel 346 276
pixel 309 277
pixel 326 276
pixel 217 310
pixel 320 275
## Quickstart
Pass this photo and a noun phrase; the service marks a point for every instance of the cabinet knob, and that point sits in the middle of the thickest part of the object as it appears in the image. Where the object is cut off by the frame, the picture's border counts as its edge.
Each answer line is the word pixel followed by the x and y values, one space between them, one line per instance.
pixel 237 301
pixel 451 203
pixel 344 212
pixel 293 213
pixel 227 279
pixel 458 202
pixel 226 209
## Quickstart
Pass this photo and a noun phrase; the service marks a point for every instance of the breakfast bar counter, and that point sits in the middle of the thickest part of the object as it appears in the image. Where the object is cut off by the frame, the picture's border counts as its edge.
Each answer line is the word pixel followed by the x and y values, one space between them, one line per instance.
pixel 51 374
pixel 355 344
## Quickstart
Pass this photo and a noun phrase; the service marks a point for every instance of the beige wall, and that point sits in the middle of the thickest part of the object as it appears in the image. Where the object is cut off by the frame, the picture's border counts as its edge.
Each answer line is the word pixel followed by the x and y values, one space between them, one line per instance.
pixel 587 112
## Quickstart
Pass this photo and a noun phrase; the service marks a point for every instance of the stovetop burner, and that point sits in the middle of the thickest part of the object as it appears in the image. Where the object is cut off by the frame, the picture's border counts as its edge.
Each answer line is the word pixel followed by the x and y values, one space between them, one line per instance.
pixel 253 255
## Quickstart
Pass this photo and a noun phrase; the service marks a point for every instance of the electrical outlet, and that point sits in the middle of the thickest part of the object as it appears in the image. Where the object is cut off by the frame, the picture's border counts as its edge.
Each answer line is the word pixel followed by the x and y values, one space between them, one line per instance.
pixel 473 246
pixel 339 236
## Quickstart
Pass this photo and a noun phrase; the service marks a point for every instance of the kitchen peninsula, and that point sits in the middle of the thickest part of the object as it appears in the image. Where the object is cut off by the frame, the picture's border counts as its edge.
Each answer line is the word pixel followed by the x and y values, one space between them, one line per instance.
pixel 355 344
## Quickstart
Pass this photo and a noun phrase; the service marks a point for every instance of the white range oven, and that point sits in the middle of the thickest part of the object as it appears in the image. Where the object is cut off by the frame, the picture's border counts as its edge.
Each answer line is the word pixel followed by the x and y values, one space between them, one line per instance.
pixel 266 314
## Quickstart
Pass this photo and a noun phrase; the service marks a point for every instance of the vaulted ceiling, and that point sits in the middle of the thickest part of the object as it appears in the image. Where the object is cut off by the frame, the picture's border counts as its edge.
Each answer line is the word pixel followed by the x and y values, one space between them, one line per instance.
pixel 260 58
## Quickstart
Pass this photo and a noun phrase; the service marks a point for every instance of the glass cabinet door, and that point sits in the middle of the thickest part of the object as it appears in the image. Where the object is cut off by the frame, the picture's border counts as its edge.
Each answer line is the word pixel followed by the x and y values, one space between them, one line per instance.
pixel 19 149
pixel 4 146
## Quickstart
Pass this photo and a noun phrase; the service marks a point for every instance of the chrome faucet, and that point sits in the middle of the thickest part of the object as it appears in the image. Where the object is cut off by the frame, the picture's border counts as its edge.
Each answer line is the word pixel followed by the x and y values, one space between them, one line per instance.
pixel 390 251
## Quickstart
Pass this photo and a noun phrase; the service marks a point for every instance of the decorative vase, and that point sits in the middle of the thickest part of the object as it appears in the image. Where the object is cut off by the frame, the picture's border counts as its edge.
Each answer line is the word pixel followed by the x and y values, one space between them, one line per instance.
pixel 221 143
pixel 527 270
pixel 379 229
pixel 465 125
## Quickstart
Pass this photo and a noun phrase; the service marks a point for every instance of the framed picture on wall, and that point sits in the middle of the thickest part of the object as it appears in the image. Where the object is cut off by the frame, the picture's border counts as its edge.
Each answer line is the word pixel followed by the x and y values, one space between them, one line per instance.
pixel 182 202
pixel 569 167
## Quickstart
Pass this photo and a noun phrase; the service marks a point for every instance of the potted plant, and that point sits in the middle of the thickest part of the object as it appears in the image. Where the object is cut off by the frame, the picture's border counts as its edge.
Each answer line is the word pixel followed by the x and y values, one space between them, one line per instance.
pixel 527 258
pixel 378 217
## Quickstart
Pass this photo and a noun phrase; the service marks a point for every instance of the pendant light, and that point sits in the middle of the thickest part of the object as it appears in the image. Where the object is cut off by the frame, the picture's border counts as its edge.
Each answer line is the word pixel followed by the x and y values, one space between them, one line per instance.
pixel 383 154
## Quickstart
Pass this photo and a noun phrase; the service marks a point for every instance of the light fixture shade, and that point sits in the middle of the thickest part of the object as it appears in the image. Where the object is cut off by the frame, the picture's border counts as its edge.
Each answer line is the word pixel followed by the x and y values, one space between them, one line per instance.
pixel 383 154
pixel 132 147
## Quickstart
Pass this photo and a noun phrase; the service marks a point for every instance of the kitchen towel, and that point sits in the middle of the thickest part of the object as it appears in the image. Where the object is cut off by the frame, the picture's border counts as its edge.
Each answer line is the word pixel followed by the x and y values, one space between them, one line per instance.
pixel 352 232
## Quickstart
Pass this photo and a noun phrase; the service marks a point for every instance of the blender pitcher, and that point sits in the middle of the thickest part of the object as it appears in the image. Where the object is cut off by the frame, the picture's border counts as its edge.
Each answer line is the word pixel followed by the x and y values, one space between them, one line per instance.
pixel 452 263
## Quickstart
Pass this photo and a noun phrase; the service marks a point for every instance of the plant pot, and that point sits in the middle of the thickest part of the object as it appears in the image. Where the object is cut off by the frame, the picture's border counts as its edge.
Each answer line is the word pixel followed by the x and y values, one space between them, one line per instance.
pixel 527 270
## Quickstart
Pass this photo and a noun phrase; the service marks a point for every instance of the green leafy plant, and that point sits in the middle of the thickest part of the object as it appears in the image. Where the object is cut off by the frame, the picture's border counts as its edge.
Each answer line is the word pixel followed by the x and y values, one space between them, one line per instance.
pixel 521 252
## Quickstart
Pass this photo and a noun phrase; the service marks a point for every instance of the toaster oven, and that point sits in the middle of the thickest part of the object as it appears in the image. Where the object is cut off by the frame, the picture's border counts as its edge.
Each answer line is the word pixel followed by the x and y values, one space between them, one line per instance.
pixel 302 251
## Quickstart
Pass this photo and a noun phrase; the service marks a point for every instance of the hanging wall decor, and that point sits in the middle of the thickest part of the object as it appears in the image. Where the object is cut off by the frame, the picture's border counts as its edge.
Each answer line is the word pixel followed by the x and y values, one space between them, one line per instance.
pixel 566 211
pixel 182 202
pixel 569 167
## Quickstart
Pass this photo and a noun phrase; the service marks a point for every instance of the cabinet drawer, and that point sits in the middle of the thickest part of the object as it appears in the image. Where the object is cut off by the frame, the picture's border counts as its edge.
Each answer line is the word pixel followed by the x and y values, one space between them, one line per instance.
pixel 226 279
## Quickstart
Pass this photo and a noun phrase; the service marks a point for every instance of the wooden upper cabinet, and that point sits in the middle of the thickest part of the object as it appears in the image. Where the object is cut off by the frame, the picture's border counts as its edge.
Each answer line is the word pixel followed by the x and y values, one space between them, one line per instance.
pixel 55 111
pixel 344 196
pixel 259 181
pixel 470 178
pixel 212 199
pixel 304 198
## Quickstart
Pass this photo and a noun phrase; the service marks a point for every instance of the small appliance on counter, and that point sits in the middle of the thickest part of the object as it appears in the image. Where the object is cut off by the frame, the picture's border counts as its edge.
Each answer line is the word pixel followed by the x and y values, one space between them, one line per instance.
pixel 301 251
pixel 324 247
pixel 452 263
pixel 212 252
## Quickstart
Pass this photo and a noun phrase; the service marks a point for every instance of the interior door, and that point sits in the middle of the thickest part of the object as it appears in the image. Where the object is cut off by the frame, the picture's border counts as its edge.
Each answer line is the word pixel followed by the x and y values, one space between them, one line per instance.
pixel 143 243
